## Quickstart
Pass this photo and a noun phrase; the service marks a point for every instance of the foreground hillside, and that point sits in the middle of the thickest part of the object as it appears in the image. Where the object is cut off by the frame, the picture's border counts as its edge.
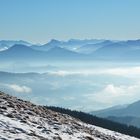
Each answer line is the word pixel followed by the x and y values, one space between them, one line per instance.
pixel 20 120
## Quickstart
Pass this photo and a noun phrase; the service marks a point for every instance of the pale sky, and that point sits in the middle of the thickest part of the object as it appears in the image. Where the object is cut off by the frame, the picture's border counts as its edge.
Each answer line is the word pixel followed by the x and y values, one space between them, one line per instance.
pixel 38 21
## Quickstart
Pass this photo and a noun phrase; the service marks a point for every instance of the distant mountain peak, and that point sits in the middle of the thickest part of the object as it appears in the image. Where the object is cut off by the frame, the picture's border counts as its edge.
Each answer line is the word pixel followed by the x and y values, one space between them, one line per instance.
pixel 20 47
pixel 13 42
pixel 54 42
pixel 61 51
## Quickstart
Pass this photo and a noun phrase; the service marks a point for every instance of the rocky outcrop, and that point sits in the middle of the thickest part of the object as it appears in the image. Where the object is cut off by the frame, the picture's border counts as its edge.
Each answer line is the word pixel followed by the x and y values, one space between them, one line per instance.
pixel 22 120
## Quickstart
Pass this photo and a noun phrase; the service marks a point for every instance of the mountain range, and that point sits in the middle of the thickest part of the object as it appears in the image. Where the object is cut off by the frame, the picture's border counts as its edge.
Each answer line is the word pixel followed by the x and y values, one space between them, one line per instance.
pixel 5 44
pixel 73 49
pixel 25 53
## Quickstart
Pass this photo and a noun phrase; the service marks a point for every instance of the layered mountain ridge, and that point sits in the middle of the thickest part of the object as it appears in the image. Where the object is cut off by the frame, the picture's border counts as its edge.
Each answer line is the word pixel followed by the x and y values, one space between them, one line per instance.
pixel 78 49
pixel 128 114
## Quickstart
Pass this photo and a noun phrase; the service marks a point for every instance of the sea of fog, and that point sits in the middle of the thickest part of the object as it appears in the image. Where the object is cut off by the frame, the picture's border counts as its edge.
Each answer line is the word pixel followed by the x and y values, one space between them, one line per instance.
pixel 85 86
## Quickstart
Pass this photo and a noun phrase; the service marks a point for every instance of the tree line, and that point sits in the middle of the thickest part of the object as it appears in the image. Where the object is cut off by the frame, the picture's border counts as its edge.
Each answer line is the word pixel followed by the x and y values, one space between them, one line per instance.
pixel 101 122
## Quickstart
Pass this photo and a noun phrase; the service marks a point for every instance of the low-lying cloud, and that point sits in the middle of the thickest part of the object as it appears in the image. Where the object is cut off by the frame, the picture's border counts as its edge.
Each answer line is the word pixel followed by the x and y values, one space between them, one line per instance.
pixel 20 89
pixel 3 49
pixel 119 71
pixel 114 95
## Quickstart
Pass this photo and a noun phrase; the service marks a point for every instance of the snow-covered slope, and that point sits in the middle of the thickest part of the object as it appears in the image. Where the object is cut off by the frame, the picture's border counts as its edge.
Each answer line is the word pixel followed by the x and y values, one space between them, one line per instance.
pixel 22 120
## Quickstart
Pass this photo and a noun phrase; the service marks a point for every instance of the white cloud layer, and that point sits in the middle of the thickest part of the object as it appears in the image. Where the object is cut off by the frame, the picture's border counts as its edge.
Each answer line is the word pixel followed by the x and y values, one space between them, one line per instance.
pixel 121 71
pixel 3 49
pixel 16 88
pixel 20 89
pixel 113 95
